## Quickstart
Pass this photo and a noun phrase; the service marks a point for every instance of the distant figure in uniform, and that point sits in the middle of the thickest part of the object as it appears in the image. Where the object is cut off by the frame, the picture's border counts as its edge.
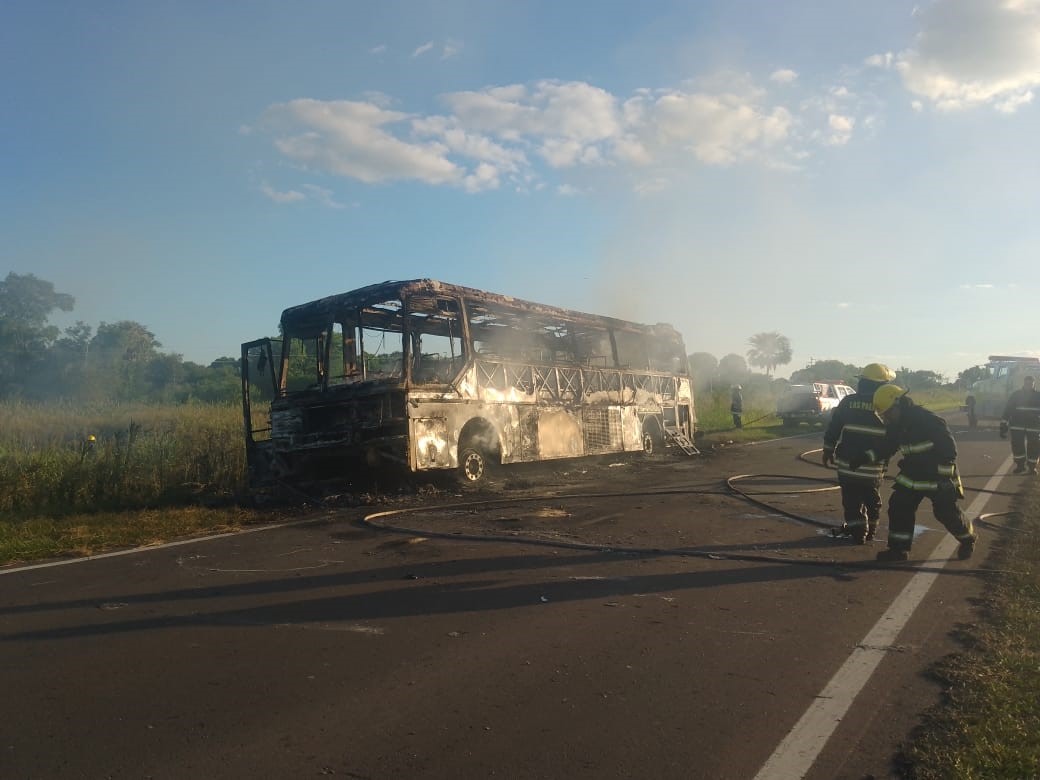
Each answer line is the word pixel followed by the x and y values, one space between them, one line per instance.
pixel 1022 418
pixel 736 406
pixel 853 429
pixel 969 405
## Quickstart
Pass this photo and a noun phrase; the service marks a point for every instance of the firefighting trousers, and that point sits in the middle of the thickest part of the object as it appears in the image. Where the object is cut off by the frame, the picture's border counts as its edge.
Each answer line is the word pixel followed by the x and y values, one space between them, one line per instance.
pixel 861 502
pixel 1025 446
pixel 902 506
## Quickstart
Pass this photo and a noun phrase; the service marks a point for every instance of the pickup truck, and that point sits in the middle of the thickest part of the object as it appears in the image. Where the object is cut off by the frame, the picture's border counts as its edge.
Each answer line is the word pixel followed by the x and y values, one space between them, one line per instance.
pixel 810 402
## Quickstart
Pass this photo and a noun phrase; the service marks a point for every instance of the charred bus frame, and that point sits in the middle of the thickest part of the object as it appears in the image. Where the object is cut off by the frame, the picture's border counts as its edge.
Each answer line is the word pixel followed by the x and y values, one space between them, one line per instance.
pixel 468 380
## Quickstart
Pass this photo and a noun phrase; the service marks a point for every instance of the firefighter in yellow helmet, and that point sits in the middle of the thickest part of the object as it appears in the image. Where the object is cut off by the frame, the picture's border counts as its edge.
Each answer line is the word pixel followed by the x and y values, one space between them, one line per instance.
pixel 853 429
pixel 928 469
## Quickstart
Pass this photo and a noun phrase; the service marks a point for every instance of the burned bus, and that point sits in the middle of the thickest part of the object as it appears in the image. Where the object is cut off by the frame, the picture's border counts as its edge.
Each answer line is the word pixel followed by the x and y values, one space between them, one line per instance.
pixel 431 375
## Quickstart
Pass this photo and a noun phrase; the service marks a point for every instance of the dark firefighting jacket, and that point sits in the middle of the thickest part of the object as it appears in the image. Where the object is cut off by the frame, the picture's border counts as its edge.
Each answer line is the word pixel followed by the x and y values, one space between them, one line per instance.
pixel 1023 410
pixel 854 429
pixel 928 449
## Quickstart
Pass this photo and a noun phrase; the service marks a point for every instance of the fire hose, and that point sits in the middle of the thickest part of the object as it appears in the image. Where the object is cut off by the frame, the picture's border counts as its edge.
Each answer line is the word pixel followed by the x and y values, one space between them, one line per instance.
pixel 377 521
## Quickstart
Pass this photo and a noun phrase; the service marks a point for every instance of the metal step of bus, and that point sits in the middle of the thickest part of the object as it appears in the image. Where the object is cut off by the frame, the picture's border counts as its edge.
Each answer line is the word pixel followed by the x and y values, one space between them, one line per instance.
pixel 680 440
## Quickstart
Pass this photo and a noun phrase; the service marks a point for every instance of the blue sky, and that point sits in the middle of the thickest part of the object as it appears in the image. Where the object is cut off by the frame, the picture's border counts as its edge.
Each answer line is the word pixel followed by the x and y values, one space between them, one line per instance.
pixel 861 177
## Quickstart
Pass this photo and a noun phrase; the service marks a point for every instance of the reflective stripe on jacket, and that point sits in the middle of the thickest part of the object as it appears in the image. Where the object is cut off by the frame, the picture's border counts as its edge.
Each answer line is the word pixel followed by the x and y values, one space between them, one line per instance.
pixel 1023 410
pixel 929 450
pixel 853 429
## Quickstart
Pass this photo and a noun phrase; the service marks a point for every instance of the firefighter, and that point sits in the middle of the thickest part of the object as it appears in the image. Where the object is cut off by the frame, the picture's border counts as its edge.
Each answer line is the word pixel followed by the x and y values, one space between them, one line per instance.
pixel 1022 418
pixel 928 469
pixel 736 406
pixel 969 407
pixel 853 429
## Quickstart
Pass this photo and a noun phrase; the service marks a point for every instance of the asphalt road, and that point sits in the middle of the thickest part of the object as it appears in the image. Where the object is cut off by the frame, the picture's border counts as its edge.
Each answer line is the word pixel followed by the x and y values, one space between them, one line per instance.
pixel 330 648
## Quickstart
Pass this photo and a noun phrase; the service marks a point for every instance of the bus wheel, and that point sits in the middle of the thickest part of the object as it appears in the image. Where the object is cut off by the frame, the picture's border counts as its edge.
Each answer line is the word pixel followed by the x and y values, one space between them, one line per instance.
pixel 473 466
pixel 653 442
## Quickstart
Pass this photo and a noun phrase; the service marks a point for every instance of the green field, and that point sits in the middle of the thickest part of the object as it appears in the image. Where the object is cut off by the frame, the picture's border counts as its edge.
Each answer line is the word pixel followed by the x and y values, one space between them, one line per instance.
pixel 149 474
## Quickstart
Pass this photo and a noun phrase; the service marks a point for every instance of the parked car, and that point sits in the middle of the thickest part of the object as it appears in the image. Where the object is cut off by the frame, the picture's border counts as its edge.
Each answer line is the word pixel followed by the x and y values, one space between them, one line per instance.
pixel 812 403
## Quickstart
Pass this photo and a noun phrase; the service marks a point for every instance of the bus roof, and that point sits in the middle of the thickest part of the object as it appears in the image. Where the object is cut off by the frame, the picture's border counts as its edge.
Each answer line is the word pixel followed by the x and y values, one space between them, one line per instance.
pixel 317 314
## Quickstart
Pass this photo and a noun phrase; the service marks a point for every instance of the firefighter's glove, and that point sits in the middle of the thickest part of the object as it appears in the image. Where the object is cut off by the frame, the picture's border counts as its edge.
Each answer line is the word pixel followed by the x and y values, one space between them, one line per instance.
pixel 950 488
pixel 828 457
pixel 1003 429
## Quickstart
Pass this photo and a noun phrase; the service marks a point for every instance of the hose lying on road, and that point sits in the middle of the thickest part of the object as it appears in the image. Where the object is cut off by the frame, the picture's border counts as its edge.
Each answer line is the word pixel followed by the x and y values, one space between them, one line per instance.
pixel 376 521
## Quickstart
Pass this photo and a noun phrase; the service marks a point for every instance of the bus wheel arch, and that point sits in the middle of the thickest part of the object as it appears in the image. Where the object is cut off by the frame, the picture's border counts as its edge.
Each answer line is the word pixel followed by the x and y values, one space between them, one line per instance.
pixel 479 452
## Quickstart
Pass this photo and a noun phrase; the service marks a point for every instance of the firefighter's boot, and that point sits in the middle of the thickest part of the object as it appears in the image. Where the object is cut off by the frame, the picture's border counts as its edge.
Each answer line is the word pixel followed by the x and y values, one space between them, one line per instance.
pixel 967 548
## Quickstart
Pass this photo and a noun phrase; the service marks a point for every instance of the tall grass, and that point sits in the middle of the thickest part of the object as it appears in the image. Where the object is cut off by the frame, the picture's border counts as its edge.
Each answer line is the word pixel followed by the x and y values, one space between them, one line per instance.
pixel 141 456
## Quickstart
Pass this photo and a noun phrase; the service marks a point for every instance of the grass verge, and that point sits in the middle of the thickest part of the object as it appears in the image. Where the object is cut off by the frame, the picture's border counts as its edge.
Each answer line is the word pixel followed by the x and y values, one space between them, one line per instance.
pixel 988 725
pixel 88 534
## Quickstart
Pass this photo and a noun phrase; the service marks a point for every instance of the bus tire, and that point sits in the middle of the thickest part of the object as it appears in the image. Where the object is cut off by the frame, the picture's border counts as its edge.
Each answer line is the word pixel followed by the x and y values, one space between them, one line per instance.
pixel 653 441
pixel 474 465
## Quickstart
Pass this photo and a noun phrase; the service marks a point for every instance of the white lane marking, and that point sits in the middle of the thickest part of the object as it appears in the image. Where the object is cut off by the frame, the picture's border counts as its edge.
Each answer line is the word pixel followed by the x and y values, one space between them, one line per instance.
pixel 795 755
pixel 136 550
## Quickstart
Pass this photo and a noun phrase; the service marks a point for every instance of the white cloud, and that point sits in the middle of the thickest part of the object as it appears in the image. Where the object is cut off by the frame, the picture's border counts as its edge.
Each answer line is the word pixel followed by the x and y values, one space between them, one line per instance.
pixel 351 139
pixel 484 177
pixel 380 49
pixel 290 196
pixel 783 76
pixel 884 61
pixel 718 129
pixel 841 129
pixel 975 52
pixel 324 196
pixel 521 133
pixel 451 49
pixel 474 145
pixel 1012 103
pixel 422 49
pixel 565 111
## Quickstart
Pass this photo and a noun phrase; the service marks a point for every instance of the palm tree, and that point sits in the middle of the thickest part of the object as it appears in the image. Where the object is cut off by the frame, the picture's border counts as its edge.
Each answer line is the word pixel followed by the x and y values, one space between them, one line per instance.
pixel 769 350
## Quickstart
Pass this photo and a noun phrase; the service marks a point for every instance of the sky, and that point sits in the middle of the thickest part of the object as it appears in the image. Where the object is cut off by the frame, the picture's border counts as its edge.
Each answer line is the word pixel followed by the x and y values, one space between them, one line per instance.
pixel 859 177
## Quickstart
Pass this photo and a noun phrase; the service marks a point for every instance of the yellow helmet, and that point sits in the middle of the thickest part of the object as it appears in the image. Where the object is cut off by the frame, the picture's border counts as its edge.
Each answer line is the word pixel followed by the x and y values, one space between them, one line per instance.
pixel 886 396
pixel 878 372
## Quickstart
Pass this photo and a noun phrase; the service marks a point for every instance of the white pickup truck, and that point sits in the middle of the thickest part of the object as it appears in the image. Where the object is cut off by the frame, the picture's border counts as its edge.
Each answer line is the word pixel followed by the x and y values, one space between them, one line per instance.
pixel 810 402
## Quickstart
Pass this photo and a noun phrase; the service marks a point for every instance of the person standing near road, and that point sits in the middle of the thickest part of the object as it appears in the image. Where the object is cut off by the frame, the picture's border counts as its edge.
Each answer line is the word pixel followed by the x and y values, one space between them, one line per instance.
pixel 928 469
pixel 736 406
pixel 969 407
pixel 853 429
pixel 1022 417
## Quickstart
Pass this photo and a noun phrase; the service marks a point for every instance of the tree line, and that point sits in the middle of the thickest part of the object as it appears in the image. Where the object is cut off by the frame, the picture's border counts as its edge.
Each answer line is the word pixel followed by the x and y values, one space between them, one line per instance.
pixel 117 361
pixel 770 350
